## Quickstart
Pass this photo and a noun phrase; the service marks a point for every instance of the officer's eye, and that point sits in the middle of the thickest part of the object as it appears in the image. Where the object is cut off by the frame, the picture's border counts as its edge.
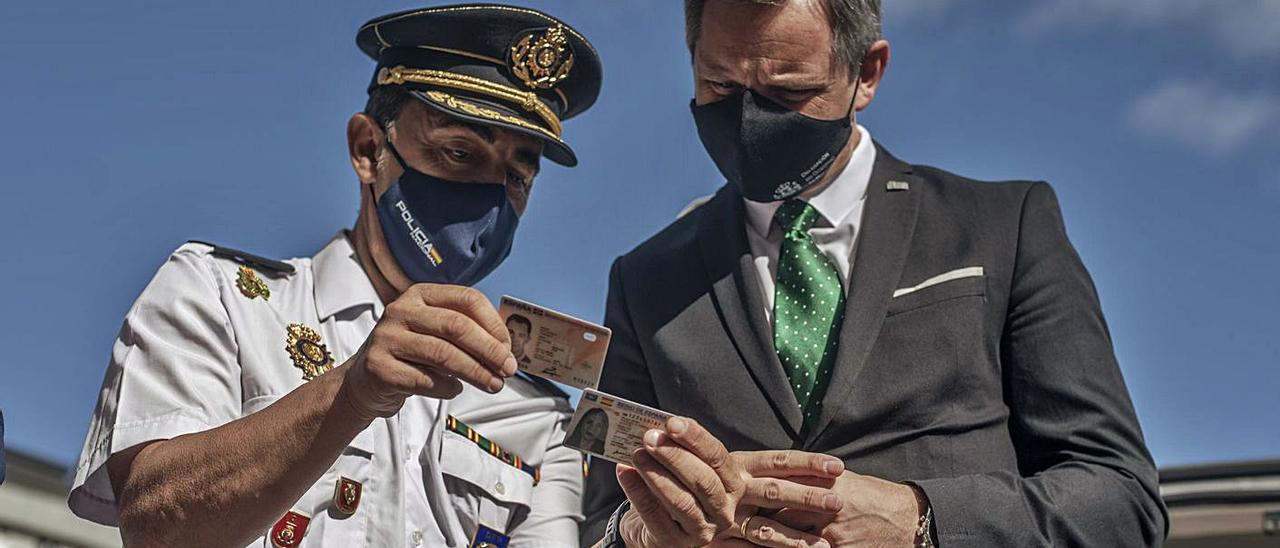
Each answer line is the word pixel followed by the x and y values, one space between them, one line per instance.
pixel 521 182
pixel 797 96
pixel 458 154
pixel 723 88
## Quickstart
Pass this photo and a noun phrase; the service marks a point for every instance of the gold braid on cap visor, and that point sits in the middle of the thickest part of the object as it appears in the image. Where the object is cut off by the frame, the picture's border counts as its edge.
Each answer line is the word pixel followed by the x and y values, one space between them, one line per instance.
pixel 527 99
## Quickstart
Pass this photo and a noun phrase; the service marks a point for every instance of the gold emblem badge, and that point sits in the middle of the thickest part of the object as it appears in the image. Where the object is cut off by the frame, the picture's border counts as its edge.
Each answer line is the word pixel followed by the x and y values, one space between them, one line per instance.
pixel 251 285
pixel 346 495
pixel 307 351
pixel 542 61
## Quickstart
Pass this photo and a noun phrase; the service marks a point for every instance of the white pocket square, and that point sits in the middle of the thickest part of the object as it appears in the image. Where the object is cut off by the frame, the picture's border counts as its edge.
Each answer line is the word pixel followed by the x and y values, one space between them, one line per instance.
pixel 968 272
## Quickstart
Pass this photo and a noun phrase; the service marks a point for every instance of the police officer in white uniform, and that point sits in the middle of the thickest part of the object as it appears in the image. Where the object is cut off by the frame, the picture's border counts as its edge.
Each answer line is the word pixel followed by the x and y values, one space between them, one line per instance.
pixel 365 396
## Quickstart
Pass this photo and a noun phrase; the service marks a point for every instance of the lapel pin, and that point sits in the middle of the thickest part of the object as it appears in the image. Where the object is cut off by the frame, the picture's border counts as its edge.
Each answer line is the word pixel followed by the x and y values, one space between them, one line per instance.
pixel 897 185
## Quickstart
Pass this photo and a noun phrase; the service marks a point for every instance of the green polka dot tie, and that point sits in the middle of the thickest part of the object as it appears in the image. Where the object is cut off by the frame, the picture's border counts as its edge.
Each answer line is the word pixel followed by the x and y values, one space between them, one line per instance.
pixel 808 307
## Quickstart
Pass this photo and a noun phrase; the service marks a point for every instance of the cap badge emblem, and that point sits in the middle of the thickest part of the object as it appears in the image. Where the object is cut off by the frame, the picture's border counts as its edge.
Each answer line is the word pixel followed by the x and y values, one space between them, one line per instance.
pixel 542 60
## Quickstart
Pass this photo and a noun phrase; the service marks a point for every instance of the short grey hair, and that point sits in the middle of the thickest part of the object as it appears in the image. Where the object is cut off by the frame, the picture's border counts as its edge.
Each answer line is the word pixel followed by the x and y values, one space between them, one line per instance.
pixel 854 24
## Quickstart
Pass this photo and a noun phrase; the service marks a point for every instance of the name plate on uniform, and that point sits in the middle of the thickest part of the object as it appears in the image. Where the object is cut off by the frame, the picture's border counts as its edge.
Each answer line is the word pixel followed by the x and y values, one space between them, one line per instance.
pixel 553 345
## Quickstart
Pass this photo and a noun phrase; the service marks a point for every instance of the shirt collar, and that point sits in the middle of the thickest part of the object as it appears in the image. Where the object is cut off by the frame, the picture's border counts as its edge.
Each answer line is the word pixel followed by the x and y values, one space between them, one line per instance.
pixel 340 281
pixel 835 202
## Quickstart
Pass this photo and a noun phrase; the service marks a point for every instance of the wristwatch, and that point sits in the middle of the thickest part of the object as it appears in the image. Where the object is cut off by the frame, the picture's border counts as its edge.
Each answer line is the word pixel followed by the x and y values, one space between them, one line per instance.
pixel 613 529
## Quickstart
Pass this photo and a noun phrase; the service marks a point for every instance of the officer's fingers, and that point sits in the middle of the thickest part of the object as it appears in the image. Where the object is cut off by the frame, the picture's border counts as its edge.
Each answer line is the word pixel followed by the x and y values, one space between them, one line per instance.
pixel 657 523
pixel 688 433
pixel 779 493
pixel 437 385
pixel 698 477
pixel 467 335
pixel 395 377
pixel 787 463
pixel 435 355
pixel 467 300
pixel 763 531
pixel 681 505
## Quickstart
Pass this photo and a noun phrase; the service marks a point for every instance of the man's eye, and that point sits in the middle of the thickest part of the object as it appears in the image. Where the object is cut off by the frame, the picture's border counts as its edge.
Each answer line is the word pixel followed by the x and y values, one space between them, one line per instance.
pixel 520 182
pixel 722 87
pixel 458 154
pixel 797 96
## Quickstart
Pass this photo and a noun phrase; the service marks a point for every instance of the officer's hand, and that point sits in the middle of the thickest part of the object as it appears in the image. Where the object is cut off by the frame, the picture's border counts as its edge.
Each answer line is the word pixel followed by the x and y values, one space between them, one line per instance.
pixel 686 489
pixel 428 340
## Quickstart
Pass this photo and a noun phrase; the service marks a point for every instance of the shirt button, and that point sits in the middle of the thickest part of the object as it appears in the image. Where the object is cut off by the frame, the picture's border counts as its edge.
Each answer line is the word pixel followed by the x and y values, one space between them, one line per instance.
pixel 416 538
pixel 500 488
pixel 408 454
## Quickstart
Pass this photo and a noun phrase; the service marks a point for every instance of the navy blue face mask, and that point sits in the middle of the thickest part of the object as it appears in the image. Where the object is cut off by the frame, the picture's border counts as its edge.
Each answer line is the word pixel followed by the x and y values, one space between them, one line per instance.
pixel 445 232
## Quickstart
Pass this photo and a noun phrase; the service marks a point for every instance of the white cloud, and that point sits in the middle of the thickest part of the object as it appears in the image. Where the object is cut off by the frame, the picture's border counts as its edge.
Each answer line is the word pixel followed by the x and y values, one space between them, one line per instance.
pixel 1204 117
pixel 1245 27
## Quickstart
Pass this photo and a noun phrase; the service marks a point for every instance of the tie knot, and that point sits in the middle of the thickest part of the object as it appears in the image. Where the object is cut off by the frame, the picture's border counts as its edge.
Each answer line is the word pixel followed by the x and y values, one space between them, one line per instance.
pixel 796 215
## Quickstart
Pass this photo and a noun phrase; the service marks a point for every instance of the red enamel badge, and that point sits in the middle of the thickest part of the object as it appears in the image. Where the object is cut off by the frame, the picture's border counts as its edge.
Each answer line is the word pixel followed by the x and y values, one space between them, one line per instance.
pixel 346 495
pixel 288 532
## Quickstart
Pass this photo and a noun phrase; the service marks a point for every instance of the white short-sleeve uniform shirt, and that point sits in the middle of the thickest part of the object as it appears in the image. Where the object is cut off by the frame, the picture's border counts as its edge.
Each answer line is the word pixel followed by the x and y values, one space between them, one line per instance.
pixel 195 352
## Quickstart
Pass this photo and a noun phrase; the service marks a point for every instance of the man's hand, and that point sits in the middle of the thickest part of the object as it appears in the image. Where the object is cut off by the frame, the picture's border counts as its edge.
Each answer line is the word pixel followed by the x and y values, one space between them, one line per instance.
pixel 427 342
pixel 876 512
pixel 686 489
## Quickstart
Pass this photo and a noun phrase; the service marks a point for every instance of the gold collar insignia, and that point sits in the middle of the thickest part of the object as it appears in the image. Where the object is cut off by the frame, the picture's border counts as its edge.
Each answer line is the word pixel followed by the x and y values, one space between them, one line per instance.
pixel 251 285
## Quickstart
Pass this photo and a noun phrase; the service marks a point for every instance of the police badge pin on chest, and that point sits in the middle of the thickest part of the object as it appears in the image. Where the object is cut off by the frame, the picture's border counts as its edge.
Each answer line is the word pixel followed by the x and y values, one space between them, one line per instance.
pixel 307 351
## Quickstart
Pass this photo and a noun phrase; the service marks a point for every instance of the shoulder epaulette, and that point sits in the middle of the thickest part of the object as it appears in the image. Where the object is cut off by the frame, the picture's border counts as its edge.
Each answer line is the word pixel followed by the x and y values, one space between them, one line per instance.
pixel 270 266
pixel 544 384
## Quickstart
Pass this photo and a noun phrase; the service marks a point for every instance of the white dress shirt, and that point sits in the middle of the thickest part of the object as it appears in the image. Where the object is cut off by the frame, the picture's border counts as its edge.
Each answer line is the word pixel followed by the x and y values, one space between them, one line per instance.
pixel 840 206
pixel 195 353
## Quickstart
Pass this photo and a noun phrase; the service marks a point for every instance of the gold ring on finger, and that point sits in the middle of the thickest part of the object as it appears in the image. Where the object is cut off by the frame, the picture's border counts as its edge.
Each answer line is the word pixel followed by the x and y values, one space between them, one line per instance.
pixel 746 524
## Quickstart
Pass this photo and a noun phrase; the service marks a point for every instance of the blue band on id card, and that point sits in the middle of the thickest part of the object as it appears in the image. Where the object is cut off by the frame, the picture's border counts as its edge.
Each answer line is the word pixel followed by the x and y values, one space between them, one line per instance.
pixel 488 538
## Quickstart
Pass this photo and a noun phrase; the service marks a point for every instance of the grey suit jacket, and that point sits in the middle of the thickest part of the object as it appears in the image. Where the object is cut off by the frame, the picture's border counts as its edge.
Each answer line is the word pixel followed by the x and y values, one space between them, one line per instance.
pixel 998 394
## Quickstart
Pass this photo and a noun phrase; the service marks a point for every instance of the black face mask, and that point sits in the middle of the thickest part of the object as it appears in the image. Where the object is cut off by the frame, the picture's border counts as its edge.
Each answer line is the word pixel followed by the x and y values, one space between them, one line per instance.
pixel 769 151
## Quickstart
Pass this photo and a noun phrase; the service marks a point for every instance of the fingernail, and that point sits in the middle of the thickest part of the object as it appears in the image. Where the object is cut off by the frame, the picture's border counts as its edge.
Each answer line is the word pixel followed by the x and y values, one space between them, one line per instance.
pixel 639 457
pixel 832 502
pixel 833 467
pixel 509 367
pixel 822 543
pixel 495 385
pixel 651 438
pixel 677 425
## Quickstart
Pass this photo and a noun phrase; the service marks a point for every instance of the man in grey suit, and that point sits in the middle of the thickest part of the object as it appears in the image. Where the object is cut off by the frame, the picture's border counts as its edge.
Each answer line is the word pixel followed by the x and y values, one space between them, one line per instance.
pixel 939 335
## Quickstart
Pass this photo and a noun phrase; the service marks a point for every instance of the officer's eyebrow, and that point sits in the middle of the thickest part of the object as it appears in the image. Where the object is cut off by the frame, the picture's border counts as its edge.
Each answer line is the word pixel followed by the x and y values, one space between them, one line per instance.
pixel 481 130
pixel 527 157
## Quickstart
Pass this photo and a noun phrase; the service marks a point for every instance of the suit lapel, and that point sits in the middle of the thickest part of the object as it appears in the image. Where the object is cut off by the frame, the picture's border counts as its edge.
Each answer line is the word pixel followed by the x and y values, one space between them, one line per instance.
pixel 888 223
pixel 736 292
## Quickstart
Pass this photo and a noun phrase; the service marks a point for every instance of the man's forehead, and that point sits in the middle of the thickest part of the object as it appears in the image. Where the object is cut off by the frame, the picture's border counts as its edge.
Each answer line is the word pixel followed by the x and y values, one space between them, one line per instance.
pixel 791 38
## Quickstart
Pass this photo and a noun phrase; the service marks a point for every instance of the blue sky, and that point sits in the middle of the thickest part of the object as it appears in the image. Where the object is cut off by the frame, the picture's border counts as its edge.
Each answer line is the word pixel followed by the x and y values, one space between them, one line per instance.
pixel 131 127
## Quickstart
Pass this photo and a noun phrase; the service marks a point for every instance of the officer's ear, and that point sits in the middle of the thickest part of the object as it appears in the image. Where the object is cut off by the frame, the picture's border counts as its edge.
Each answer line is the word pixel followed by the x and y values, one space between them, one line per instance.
pixel 364 139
